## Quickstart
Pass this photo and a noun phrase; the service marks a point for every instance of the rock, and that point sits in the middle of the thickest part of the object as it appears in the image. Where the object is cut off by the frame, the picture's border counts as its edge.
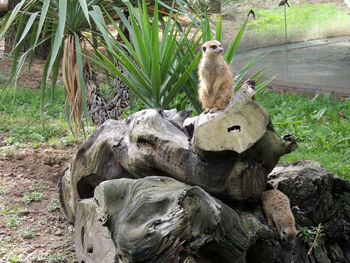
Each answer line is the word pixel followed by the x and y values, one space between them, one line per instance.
pixel 59 232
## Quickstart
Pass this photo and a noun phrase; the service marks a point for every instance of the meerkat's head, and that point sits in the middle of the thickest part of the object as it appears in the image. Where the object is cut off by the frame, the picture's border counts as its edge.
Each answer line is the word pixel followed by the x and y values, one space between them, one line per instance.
pixel 212 48
pixel 288 233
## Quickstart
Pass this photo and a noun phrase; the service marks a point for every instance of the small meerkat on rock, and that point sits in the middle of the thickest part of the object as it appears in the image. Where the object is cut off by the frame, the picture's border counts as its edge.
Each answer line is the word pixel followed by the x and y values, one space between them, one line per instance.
pixel 277 209
pixel 215 86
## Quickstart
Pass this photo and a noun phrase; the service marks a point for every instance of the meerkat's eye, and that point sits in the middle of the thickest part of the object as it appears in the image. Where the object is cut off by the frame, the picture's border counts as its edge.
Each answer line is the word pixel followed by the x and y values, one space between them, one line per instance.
pixel 213 47
pixel 204 49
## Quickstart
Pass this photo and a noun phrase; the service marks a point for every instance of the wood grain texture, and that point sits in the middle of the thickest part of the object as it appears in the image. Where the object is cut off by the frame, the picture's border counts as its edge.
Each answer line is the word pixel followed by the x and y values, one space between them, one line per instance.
pixel 158 219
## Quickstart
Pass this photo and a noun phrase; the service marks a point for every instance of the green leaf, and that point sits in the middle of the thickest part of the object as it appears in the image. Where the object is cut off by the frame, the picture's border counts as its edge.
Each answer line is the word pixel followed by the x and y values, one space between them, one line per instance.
pixel 32 46
pixel 81 75
pixel 46 4
pixel 258 72
pixel 97 16
pixel 256 59
pixel 130 66
pixel 259 87
pixel 129 48
pixel 146 27
pixel 156 77
pixel 108 65
pixel 59 32
pixel 84 7
pixel 231 50
pixel 19 29
pixel 206 30
pixel 219 28
pixel 181 81
pixel 12 17
pixel 55 72
pixel 28 26
pixel 139 45
pixel 43 89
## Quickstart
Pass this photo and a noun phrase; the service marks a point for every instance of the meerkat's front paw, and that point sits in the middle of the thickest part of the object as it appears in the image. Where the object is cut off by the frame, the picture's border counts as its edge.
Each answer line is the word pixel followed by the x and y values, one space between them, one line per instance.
pixel 212 110
pixel 206 110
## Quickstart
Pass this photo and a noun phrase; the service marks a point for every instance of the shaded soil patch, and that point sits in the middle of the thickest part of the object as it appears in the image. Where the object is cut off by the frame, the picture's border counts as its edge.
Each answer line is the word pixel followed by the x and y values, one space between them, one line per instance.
pixel 31 226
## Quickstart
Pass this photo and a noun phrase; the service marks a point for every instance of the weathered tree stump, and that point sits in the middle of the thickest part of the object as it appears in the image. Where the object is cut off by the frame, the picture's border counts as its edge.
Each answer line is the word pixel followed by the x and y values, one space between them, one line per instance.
pixel 158 219
pixel 153 142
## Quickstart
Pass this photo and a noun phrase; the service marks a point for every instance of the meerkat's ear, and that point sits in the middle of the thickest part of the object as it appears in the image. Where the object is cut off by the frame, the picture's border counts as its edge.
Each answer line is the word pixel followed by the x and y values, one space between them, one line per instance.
pixel 204 49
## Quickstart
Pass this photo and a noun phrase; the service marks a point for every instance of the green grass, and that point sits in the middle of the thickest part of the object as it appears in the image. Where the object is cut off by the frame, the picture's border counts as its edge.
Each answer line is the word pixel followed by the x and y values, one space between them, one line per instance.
pixel 32 197
pixel 300 17
pixel 20 118
pixel 322 135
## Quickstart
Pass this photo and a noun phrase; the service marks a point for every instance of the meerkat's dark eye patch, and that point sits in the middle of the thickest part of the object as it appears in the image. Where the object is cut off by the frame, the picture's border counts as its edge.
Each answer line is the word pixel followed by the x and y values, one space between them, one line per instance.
pixel 204 49
pixel 213 47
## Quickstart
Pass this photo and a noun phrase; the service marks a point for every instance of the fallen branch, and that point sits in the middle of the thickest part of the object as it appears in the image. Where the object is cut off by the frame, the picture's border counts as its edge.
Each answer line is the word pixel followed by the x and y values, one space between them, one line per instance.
pixel 314 244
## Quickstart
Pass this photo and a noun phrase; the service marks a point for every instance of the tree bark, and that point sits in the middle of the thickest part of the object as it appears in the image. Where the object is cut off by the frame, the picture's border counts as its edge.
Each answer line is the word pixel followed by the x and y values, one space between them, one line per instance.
pixel 235 129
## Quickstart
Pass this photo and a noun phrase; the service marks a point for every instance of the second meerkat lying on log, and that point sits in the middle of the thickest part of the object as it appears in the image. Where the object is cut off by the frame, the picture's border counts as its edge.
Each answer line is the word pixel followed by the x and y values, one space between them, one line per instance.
pixel 215 86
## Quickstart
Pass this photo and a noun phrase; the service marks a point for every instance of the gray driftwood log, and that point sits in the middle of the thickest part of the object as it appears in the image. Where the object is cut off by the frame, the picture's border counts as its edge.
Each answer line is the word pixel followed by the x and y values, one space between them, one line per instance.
pixel 159 219
pixel 126 221
pixel 155 142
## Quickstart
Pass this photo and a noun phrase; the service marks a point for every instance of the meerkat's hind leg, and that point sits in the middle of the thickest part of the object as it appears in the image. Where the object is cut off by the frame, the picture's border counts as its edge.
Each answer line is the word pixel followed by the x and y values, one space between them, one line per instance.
pixel 222 102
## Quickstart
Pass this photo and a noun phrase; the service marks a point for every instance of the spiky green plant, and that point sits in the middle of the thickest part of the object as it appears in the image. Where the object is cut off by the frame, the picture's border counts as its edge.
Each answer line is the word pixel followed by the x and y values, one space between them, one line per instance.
pixel 162 71
pixel 156 74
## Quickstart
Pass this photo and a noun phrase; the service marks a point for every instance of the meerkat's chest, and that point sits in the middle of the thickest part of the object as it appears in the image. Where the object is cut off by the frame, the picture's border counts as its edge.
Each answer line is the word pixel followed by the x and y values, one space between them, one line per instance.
pixel 212 70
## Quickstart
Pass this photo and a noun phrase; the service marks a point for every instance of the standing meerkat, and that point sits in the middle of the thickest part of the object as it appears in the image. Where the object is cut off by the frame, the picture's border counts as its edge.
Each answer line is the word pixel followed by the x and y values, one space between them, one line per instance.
pixel 215 78
pixel 277 209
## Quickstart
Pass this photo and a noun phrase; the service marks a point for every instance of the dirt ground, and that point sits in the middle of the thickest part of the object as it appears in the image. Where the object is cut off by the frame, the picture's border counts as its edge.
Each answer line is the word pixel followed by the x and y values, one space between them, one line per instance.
pixel 31 226
pixel 28 79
